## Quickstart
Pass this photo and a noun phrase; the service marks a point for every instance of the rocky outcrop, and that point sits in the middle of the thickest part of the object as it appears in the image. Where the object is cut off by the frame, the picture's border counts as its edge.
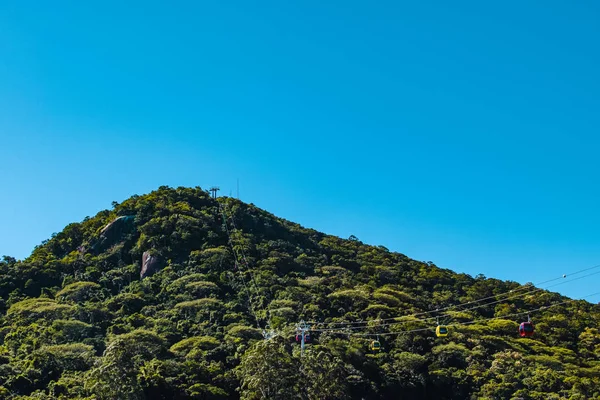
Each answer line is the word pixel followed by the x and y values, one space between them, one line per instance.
pixel 113 232
pixel 118 226
pixel 150 264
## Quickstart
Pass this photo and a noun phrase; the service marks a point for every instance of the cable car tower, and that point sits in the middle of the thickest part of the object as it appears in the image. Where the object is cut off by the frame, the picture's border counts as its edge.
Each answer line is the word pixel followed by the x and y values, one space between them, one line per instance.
pixel 302 334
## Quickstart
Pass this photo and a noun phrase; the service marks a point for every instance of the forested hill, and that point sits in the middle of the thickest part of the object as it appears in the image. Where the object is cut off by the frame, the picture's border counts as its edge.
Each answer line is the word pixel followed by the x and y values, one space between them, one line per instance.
pixel 169 296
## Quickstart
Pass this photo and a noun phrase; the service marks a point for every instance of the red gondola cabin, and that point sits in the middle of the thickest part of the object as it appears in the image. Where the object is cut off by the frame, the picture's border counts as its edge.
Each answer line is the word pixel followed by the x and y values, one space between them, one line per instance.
pixel 306 338
pixel 526 329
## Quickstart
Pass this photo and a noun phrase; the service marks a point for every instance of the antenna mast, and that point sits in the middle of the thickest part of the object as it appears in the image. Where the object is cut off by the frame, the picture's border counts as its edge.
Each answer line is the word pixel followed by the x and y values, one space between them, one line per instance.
pixel 214 191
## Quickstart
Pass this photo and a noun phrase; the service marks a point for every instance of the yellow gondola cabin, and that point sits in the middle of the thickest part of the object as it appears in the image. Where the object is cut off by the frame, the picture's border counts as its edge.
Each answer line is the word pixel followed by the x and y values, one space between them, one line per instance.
pixel 441 331
pixel 375 345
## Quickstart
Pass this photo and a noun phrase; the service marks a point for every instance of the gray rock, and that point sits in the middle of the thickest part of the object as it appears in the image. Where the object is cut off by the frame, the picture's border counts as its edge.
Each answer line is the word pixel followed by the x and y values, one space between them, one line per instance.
pixel 150 265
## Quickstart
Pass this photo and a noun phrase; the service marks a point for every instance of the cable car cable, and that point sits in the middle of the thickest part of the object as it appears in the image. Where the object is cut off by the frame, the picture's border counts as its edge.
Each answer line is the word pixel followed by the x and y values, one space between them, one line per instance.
pixel 449 315
pixel 247 264
pixel 524 287
pixel 468 322
pixel 236 264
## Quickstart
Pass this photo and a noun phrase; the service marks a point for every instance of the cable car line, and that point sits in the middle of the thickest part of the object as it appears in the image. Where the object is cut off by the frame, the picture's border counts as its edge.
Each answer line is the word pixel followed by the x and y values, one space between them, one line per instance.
pixel 449 315
pixel 253 311
pixel 267 331
pixel 245 259
pixel 468 322
pixel 442 315
pixel 525 287
pixel 576 279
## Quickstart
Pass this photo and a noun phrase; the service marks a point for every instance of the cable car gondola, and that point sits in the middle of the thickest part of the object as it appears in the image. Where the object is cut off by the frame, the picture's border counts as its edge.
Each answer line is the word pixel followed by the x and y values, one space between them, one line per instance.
pixel 441 331
pixel 306 337
pixel 375 345
pixel 526 329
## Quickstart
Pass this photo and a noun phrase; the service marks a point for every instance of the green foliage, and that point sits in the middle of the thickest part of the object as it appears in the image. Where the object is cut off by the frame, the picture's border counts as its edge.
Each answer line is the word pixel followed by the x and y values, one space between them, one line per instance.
pixel 387 299
pixel 79 291
pixel 196 342
pixel 503 327
pixel 241 333
pixel 71 356
pixel 31 310
pixel 398 294
pixel 273 370
pixel 122 361
pixel 70 330
pixel 77 322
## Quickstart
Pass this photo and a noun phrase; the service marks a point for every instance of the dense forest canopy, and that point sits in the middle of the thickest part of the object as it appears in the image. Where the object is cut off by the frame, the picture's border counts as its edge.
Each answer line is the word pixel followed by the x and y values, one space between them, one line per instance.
pixel 176 295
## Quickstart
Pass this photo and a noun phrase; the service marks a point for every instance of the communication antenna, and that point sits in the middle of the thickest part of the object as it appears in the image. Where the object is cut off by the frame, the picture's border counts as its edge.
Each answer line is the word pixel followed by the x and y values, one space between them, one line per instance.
pixel 214 191
pixel 238 188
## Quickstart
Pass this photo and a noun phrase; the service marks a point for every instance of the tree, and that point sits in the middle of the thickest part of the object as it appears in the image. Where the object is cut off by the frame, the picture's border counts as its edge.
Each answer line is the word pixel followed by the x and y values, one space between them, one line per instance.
pixel 268 371
pixel 117 371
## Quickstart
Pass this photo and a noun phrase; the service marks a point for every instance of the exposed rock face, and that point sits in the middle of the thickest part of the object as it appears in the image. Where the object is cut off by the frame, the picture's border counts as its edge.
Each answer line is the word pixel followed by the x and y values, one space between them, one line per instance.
pixel 118 226
pixel 150 264
pixel 113 232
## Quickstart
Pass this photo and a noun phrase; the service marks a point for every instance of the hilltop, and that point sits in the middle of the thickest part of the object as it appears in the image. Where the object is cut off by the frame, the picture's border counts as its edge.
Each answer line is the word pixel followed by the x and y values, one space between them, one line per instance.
pixel 176 295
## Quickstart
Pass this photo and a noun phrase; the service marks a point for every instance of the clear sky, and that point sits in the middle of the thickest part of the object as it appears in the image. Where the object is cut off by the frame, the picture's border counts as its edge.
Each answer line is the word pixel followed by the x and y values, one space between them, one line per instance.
pixel 463 133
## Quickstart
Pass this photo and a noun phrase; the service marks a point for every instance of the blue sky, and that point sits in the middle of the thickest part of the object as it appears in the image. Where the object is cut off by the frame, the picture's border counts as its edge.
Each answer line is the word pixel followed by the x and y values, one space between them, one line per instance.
pixel 463 134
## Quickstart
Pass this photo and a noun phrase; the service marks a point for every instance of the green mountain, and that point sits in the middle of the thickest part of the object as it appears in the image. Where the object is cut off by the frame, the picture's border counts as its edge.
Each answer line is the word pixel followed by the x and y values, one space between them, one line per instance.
pixel 176 295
